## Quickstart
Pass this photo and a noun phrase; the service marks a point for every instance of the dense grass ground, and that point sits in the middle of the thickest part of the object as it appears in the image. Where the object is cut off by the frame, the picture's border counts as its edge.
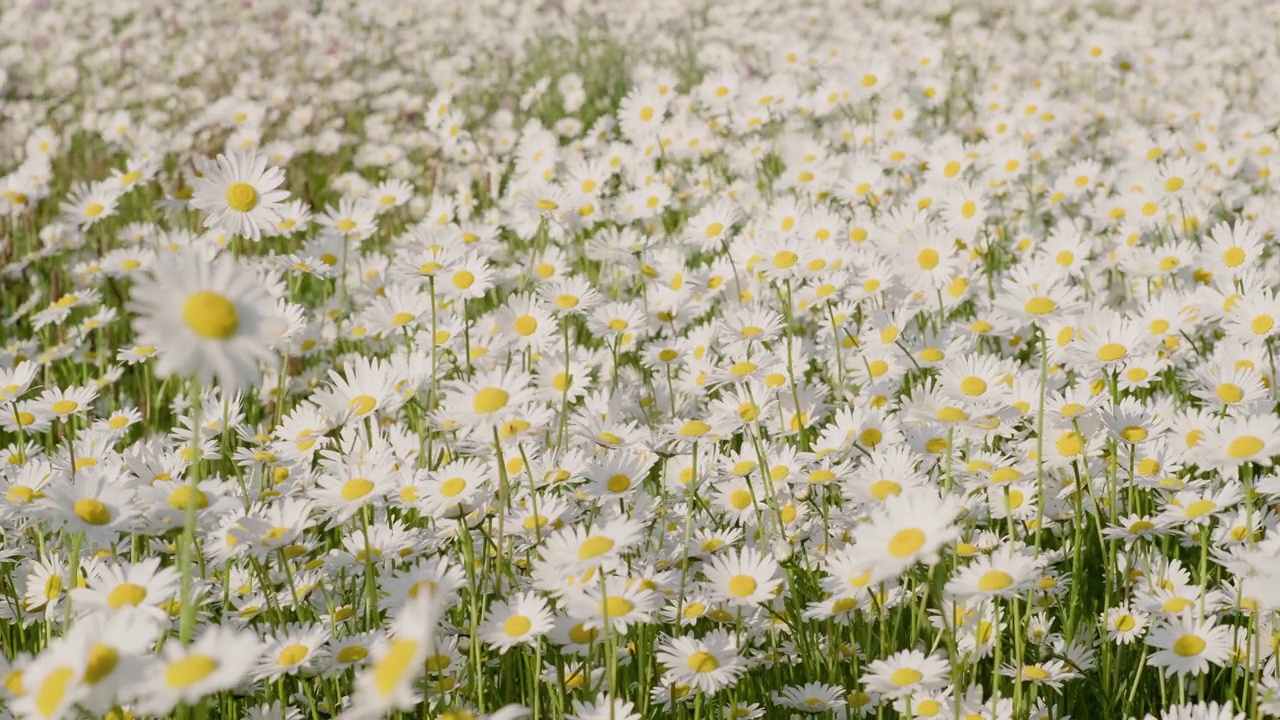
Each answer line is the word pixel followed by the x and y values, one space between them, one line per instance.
pixel 489 359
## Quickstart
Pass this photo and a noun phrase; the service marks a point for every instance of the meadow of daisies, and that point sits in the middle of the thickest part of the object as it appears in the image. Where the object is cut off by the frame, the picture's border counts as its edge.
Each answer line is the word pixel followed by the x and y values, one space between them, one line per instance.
pixel 615 361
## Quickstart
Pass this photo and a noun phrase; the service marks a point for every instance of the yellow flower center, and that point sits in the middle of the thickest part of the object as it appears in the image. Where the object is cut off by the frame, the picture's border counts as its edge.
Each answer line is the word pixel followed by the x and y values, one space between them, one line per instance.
pixel 1035 672
pixel 92 512
pixel 517 625
pixel 1112 352
pixel 53 690
pixel 973 386
pixel 594 546
pixel 1040 306
pixel 906 543
pixel 742 585
pixel 994 580
pixel 185 496
pixel 353 653
pixel 389 670
pixel 189 670
pixel 1245 446
pixel 356 488
pixel 526 325
pixel 928 259
pixel 616 607
pixel 1230 393
pixel 490 400
pixel 703 662
pixel 292 655
pixel 1134 434
pixel 102 660
pixel 903 677
pixel 1189 645
pixel 695 428
pixel 126 594
pixel 242 197
pixel 64 407
pixel 210 315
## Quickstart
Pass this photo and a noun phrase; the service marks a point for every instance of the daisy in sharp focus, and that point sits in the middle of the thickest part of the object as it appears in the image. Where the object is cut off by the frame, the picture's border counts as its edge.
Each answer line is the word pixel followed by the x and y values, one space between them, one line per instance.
pixel 1004 573
pixel 295 651
pixel 1187 644
pixel 489 399
pixel 97 503
pixel 214 319
pixel 1124 625
pixel 906 672
pixel 709 663
pixel 522 620
pixel 239 193
pixel 742 578
pixel 577 549
pixel 128 588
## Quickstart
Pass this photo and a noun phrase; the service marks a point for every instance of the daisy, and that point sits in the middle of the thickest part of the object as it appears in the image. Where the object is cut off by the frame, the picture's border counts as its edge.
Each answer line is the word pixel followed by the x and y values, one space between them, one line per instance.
pixel 96 504
pixel 239 193
pixel 53 683
pixel 569 295
pixel 294 652
pixel 1050 672
pixel 907 529
pixel 123 588
pixel 64 403
pixel 211 318
pixel 488 399
pixel 351 651
pixel 215 661
pixel 1124 625
pixel 1187 644
pixel 16 380
pixel 742 578
pixel 41 586
pixel 520 621
pixel 576 549
pixel 709 663
pixel 528 325
pixel 455 488
pixel 603 708
pixel 390 194
pixel 811 697
pixel 389 683
pixel 1005 573
pixel 364 387
pixel 87 204
pixel 906 672
pixel 466 278
pixel 353 219
pixel 1240 440
pixel 619 604
pixel 110 650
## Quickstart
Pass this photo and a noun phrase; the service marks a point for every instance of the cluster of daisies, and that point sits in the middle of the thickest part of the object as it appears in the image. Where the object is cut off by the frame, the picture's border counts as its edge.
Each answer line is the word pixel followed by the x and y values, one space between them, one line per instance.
pixel 615 361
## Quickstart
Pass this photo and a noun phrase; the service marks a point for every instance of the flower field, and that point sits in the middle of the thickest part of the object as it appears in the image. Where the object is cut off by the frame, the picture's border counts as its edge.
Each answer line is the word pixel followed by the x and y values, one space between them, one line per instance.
pixel 621 361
